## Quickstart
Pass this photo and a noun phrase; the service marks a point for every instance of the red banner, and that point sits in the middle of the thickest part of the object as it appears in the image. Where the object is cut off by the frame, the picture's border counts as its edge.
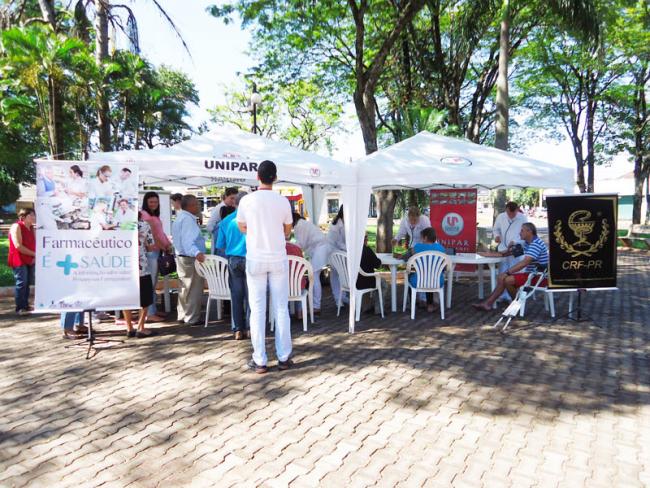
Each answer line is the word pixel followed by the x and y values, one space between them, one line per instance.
pixel 453 216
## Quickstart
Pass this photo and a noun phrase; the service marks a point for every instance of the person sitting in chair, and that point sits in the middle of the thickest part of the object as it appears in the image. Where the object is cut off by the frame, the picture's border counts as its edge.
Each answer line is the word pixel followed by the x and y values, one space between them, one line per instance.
pixel 369 263
pixel 428 242
pixel 535 255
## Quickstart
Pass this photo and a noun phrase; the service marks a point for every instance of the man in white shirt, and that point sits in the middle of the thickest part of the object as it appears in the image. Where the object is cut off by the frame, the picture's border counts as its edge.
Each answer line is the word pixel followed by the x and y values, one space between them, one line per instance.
pixel 125 214
pixel 506 230
pixel 127 186
pixel 265 217
pixel 411 227
pixel 215 216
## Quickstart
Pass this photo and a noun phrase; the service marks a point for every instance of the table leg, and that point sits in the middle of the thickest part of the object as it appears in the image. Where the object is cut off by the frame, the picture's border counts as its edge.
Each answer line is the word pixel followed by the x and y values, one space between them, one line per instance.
pixel 481 291
pixel 450 284
pixel 493 280
pixel 393 288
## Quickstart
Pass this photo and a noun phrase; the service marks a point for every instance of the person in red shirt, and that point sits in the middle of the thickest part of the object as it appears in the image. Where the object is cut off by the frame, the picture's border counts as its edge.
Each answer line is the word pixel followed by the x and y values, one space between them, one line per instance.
pixel 22 251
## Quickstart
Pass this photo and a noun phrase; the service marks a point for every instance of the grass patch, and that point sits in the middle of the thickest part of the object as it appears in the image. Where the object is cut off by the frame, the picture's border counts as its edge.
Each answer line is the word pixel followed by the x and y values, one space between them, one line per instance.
pixel 6 274
pixel 635 245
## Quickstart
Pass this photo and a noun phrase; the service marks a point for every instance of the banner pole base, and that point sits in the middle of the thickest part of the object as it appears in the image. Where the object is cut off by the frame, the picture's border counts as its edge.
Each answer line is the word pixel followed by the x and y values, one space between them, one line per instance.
pixel 91 340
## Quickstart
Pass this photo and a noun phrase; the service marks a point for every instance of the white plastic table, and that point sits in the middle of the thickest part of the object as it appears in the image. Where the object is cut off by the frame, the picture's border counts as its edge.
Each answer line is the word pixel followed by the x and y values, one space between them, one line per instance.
pixel 478 260
pixel 392 262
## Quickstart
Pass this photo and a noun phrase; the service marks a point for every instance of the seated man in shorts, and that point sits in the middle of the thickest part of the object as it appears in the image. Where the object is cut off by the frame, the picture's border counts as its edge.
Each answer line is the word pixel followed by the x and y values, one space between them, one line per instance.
pixel 535 254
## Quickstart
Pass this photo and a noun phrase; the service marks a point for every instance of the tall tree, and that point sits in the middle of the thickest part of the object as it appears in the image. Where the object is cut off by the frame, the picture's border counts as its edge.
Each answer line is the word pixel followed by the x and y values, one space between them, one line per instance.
pixel 346 44
pixel 631 37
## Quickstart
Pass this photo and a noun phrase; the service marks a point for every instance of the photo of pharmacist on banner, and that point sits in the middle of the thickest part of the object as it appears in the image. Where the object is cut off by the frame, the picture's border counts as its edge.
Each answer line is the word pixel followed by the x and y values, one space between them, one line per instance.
pixel 62 197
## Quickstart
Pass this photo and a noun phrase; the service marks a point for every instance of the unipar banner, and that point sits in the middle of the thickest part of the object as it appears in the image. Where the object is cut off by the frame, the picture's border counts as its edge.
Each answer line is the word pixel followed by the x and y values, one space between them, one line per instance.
pixel 86 237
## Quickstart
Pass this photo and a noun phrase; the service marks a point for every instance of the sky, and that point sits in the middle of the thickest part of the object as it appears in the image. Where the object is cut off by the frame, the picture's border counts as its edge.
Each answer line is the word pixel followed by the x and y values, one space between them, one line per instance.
pixel 220 52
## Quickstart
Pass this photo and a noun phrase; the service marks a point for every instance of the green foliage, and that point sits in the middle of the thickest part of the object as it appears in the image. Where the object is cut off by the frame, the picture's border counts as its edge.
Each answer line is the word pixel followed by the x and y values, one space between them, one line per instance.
pixel 148 105
pixel 6 274
pixel 297 113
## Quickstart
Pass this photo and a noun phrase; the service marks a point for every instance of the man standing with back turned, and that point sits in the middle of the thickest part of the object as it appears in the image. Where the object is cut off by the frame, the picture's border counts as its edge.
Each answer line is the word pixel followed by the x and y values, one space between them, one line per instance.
pixel 265 217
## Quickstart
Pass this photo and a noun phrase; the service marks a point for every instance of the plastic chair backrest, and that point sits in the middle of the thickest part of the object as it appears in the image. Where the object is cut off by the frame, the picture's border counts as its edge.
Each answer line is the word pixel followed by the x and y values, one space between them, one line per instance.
pixel 339 260
pixel 429 267
pixel 299 269
pixel 215 271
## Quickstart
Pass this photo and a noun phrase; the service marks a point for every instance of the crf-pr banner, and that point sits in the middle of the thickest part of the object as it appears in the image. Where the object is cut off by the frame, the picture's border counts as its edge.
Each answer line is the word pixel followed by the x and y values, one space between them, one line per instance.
pixel 582 240
pixel 86 237
pixel 453 216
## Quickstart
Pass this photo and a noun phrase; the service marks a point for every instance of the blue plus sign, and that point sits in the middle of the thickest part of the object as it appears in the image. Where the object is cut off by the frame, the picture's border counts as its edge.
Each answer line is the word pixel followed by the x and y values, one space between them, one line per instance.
pixel 67 264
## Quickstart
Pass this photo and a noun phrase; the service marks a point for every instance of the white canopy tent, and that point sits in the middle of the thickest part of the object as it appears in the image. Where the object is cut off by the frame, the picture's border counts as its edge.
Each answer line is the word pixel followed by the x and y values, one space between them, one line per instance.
pixel 227 155
pixel 427 161
pixel 424 161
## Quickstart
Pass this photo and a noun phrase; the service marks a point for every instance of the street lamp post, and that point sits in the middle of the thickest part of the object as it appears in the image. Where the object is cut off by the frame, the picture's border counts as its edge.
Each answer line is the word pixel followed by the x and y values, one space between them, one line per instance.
pixel 256 99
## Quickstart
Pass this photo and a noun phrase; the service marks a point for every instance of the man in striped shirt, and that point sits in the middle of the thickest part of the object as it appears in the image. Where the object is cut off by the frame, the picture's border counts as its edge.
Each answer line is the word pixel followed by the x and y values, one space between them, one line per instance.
pixel 535 254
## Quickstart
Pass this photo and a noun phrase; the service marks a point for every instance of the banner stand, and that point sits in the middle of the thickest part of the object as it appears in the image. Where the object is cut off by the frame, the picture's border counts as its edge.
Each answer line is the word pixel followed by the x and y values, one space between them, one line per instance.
pixel 91 340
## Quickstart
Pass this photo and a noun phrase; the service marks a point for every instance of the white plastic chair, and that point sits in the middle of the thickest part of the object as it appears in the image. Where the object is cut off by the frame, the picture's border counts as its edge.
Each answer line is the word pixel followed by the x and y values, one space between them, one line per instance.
pixel 429 267
pixel 299 268
pixel 215 271
pixel 339 261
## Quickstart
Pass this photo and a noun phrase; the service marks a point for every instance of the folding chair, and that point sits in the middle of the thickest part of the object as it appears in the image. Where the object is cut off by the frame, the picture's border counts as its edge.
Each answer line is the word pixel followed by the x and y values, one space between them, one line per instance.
pixel 518 305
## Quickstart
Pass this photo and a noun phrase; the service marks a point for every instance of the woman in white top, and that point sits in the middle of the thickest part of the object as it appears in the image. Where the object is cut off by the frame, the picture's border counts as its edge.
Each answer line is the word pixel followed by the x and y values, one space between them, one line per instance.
pixel 336 239
pixel 314 243
pixel 411 227
pixel 75 185
pixel 102 186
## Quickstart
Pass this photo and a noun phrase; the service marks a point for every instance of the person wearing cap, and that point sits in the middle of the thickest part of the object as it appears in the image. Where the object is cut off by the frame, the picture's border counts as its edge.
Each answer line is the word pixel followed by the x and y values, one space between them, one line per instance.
pixel 265 217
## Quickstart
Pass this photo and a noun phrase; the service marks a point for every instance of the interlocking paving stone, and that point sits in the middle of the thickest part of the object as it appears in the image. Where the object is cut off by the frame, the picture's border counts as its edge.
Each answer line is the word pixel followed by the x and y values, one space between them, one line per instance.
pixel 402 402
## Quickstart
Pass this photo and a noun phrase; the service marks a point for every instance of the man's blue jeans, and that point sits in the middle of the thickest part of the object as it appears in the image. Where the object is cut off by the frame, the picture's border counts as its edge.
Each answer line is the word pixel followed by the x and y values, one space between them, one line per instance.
pixel 24 276
pixel 238 291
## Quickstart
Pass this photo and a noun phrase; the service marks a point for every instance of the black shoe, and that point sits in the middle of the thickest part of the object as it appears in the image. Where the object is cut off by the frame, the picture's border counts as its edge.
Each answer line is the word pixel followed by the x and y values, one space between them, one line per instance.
pixel 284 365
pixel 130 333
pixel 144 334
pixel 253 366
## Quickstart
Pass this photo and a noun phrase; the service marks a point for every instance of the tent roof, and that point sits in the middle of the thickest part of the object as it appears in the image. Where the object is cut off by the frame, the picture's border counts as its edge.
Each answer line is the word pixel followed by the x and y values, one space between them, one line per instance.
pixel 429 160
pixel 225 155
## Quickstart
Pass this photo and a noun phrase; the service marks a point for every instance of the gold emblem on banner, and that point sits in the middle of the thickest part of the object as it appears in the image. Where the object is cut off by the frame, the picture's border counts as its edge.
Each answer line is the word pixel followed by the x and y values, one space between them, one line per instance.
pixel 582 225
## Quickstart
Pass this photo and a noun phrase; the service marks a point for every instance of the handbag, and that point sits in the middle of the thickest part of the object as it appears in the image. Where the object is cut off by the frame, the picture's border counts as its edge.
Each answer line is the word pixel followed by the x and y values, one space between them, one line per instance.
pixel 166 263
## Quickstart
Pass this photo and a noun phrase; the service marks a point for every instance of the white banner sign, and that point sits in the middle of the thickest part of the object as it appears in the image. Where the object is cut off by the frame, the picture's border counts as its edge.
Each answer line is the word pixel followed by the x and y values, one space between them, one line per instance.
pixel 86 238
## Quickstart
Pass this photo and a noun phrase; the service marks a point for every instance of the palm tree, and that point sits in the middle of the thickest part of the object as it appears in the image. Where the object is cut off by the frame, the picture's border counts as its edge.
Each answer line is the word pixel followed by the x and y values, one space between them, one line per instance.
pixel 42 61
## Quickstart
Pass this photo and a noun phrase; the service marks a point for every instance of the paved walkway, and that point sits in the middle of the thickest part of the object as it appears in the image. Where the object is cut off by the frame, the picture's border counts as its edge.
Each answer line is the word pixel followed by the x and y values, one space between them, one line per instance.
pixel 400 403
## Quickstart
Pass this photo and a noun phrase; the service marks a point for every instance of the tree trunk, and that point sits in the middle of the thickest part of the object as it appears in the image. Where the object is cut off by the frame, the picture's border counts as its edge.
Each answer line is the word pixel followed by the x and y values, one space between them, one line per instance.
pixel 49 14
pixel 55 123
pixel 386 200
pixel 647 200
pixel 591 149
pixel 502 101
pixel 101 54
pixel 639 181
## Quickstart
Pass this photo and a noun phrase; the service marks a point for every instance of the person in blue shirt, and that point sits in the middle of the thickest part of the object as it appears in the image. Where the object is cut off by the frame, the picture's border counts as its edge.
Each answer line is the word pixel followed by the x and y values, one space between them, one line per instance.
pixel 535 255
pixel 233 242
pixel 428 243
pixel 189 246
